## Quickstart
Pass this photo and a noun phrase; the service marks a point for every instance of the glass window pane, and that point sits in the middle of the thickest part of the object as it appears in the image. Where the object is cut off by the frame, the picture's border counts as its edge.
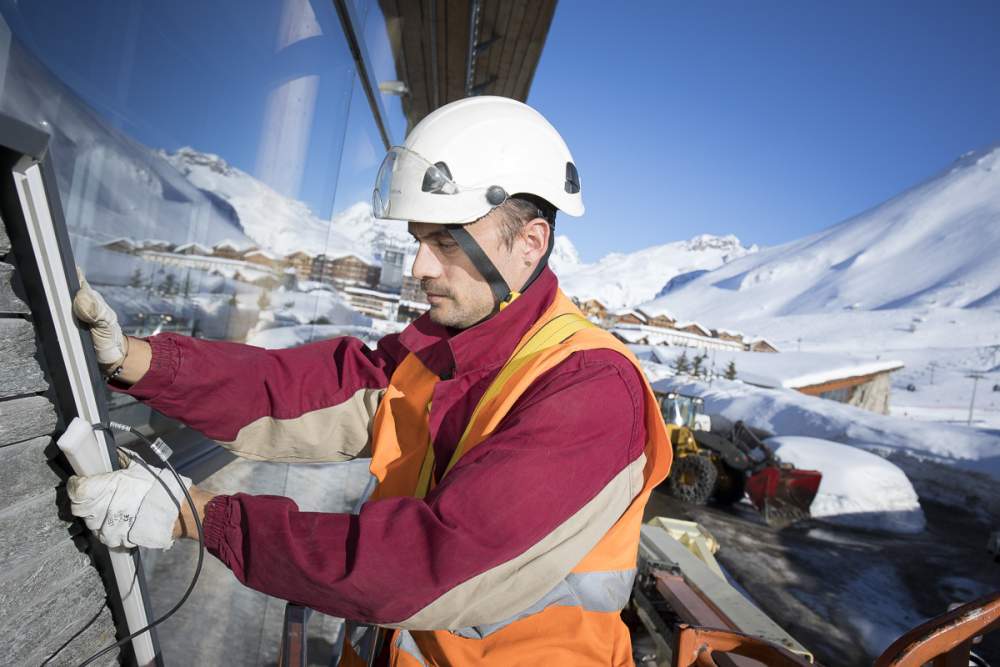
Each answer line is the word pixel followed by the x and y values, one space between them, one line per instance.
pixel 197 146
pixel 198 149
pixel 376 36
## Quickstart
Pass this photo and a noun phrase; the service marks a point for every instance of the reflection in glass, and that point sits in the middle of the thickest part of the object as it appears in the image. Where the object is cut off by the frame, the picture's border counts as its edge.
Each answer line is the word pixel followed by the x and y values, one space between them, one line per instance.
pixel 376 36
pixel 214 161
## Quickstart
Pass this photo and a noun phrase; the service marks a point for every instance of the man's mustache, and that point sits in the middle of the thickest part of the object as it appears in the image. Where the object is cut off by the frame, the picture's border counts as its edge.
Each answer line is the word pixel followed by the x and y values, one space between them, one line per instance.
pixel 430 288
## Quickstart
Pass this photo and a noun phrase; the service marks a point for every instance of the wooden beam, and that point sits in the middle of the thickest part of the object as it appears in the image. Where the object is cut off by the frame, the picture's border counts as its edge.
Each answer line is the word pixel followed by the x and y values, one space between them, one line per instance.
pixel 431 37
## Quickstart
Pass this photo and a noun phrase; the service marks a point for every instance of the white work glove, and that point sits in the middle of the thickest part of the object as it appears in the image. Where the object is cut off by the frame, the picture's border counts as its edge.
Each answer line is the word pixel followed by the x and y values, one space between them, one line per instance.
pixel 128 507
pixel 110 341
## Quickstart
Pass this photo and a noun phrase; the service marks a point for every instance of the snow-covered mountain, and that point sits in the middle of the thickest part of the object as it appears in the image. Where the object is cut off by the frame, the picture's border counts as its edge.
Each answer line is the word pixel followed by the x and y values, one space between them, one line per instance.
pixel 564 258
pixel 620 280
pixel 357 223
pixel 280 223
pixel 935 245
pixel 111 185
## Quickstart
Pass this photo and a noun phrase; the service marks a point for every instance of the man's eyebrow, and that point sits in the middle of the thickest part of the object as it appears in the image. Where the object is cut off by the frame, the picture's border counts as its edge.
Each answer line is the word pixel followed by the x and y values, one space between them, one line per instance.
pixel 441 233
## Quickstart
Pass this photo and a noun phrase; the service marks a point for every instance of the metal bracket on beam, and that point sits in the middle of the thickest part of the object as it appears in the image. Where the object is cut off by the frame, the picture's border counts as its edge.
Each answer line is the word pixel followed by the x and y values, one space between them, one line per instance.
pixel 480 87
pixel 482 47
pixel 470 60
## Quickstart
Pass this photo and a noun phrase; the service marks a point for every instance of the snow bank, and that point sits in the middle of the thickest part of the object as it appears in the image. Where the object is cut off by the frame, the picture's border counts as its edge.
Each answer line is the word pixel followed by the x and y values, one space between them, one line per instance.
pixel 788 412
pixel 859 489
pixel 951 464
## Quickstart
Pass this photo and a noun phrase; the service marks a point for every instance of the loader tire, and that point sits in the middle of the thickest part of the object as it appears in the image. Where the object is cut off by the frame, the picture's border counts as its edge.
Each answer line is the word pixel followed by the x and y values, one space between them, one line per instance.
pixel 692 479
pixel 730 486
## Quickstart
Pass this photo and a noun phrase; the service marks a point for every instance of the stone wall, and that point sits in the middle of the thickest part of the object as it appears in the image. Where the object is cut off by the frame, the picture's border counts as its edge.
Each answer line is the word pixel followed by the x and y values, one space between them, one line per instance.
pixel 50 590
pixel 873 395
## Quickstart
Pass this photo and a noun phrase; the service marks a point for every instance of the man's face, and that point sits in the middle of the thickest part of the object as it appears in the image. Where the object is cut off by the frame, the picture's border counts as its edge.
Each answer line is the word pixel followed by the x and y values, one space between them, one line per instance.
pixel 458 295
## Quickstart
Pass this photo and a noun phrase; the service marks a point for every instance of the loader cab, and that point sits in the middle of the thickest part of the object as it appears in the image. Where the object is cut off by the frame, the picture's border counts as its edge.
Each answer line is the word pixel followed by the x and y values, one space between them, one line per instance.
pixel 680 409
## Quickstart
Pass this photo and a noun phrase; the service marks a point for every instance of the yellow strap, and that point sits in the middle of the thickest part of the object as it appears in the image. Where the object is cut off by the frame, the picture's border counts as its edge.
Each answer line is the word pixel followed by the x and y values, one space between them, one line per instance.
pixel 555 331
pixel 509 300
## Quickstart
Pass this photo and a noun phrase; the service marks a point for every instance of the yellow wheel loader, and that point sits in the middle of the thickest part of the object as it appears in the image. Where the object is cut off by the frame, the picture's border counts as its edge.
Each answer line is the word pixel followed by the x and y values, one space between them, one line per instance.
pixel 722 467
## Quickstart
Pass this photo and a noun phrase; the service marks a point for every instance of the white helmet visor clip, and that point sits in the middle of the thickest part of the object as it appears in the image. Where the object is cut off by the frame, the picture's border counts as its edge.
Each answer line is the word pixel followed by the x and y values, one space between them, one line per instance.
pixel 411 187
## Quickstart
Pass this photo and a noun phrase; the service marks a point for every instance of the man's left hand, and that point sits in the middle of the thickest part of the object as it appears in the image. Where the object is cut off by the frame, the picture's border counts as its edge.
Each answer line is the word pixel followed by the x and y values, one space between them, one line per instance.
pixel 129 507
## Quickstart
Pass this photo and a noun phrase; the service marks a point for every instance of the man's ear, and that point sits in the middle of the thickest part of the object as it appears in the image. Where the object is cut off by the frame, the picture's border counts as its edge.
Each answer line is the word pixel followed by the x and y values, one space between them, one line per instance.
pixel 536 237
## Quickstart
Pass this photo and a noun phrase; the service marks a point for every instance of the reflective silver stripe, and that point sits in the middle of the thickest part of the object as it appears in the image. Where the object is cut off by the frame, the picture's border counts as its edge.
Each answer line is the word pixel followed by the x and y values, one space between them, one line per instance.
pixel 405 642
pixel 593 591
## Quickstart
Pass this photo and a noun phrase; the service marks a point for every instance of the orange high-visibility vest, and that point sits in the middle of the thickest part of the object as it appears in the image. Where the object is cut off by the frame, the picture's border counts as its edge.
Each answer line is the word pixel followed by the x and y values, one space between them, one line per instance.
pixel 570 630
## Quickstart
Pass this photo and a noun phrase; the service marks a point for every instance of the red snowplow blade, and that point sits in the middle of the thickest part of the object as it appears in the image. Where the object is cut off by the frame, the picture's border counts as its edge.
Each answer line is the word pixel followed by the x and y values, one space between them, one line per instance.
pixel 783 495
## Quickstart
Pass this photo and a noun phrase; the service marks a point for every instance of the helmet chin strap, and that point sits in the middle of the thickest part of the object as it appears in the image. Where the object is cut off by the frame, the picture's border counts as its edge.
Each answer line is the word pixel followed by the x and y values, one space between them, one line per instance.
pixel 502 293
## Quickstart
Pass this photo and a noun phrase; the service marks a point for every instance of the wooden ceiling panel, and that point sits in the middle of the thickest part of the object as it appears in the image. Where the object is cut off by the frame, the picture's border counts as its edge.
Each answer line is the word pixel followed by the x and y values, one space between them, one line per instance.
pixel 510 35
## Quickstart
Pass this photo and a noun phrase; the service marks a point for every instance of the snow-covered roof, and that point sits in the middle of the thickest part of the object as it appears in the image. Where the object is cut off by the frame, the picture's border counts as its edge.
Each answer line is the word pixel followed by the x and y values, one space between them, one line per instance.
pixel 267 254
pixel 414 305
pixel 315 285
pixel 656 310
pixel 624 312
pixel 696 325
pixel 754 341
pixel 231 244
pixel 660 335
pixel 387 296
pixel 124 240
pixel 196 247
pixel 630 335
pixel 792 370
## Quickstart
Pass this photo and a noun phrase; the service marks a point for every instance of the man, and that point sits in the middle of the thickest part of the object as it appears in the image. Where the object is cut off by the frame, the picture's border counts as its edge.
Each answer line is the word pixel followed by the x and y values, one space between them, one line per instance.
pixel 514 443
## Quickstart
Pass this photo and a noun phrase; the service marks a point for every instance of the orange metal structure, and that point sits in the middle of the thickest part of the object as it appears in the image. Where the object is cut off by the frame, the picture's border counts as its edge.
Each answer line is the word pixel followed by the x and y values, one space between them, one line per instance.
pixel 945 640
pixel 695 647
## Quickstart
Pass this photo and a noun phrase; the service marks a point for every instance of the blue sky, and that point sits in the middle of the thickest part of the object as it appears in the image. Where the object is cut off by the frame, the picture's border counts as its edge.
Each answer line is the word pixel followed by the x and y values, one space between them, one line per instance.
pixel 768 120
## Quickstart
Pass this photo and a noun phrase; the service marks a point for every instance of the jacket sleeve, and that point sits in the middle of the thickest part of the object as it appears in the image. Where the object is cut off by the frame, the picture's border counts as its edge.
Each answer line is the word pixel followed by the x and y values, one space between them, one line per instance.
pixel 306 404
pixel 504 527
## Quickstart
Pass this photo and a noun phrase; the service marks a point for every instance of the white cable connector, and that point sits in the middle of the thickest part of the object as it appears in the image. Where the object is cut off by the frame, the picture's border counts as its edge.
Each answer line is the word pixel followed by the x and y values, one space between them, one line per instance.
pixel 160 448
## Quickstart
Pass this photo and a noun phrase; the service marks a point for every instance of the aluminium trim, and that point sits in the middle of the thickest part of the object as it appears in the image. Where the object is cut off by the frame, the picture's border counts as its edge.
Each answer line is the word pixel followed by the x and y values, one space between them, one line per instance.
pixel 51 263
pixel 354 33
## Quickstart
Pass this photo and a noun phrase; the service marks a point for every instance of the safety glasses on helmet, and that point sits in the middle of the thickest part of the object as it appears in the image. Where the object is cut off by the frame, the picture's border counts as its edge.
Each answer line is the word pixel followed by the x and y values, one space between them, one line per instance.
pixel 411 187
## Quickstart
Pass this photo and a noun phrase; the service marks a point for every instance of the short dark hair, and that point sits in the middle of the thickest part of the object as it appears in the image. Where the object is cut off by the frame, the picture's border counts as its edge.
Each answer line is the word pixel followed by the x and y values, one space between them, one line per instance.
pixel 518 211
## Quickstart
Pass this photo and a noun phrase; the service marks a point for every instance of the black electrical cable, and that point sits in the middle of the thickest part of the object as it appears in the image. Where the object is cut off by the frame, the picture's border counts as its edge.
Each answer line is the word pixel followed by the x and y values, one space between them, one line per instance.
pixel 197 522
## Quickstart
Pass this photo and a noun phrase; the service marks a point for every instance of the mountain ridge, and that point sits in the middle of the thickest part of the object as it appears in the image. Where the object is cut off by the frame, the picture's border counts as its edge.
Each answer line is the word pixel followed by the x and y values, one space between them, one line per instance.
pixel 935 244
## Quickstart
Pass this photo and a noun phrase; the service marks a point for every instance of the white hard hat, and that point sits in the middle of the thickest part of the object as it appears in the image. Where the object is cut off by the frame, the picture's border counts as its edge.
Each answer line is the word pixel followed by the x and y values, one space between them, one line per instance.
pixel 468 157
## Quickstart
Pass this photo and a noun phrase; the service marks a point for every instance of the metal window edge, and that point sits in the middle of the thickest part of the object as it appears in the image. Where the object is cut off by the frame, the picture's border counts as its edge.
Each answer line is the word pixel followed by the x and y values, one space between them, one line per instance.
pixel 354 33
pixel 46 250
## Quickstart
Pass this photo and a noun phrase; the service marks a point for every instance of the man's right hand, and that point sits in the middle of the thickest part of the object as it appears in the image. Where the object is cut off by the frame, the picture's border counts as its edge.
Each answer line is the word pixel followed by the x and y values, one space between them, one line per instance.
pixel 93 311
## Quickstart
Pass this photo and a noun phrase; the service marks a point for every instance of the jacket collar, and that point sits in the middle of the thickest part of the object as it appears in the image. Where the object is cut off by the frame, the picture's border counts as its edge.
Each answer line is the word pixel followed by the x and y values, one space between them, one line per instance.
pixel 448 353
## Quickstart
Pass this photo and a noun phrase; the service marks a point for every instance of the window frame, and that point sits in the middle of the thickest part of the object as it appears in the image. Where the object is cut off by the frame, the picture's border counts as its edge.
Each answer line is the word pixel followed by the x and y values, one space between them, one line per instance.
pixel 31 208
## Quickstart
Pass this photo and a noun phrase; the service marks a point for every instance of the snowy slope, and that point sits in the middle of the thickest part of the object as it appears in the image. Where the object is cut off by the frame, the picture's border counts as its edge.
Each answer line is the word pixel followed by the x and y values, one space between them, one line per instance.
pixel 935 245
pixel 620 280
pixel 564 258
pixel 915 279
pixel 283 224
pixel 107 179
